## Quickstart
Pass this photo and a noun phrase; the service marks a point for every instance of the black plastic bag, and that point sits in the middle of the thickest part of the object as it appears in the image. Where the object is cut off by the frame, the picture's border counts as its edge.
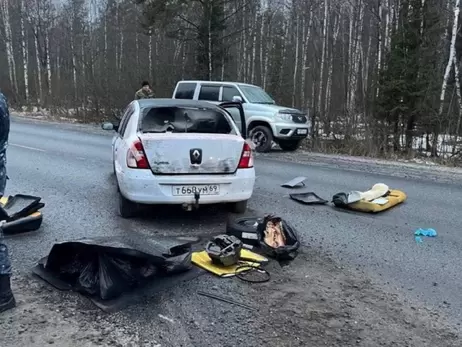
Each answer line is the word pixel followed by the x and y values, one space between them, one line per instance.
pixel 88 280
pixel 110 266
pixel 292 244
pixel 112 282
pixel 340 199
pixel 128 270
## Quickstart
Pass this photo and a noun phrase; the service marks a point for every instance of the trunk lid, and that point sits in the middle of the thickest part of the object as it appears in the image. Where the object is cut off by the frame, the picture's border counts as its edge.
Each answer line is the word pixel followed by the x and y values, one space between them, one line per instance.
pixel 192 153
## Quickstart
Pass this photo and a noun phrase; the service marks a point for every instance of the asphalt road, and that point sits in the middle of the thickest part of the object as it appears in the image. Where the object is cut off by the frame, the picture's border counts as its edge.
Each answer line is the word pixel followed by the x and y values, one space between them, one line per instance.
pixel 70 167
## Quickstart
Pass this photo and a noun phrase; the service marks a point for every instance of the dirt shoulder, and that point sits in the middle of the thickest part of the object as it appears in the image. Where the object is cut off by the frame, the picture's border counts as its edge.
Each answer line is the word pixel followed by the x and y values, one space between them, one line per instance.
pixel 311 302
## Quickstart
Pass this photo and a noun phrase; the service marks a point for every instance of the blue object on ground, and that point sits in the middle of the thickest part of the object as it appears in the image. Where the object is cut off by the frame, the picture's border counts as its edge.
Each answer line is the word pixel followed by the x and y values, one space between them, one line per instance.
pixel 418 239
pixel 425 232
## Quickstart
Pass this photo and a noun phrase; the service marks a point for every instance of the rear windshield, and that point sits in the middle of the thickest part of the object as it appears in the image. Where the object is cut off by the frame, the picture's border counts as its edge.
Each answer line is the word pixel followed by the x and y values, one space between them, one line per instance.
pixel 185 120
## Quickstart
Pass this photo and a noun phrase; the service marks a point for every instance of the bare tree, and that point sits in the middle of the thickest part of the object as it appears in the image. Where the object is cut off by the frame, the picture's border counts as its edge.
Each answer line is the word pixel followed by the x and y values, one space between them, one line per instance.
pixel 367 71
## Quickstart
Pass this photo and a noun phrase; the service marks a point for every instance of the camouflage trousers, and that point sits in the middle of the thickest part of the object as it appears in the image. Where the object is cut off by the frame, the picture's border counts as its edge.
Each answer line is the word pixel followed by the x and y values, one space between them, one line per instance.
pixel 3 176
pixel 5 264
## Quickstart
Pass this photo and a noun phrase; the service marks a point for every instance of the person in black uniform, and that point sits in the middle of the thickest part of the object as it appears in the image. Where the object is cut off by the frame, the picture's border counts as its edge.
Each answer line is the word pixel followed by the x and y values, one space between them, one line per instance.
pixel 7 300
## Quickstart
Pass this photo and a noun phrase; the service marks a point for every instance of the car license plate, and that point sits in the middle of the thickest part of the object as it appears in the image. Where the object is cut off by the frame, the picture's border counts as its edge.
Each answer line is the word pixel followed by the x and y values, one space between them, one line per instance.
pixel 206 189
pixel 302 131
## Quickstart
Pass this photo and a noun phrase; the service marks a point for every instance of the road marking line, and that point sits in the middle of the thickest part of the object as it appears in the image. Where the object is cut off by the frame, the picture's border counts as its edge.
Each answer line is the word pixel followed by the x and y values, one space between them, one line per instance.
pixel 27 147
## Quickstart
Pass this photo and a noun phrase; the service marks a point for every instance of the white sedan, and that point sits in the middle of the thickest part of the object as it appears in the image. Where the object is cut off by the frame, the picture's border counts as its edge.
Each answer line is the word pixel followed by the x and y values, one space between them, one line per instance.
pixel 185 152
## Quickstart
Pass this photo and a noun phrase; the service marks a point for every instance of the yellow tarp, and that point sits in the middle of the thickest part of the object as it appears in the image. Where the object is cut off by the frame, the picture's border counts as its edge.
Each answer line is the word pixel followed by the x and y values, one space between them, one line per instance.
pixel 202 260
pixel 394 198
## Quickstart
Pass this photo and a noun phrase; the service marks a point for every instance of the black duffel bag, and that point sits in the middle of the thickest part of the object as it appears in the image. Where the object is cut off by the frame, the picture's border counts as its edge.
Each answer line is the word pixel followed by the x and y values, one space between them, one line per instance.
pixel 289 250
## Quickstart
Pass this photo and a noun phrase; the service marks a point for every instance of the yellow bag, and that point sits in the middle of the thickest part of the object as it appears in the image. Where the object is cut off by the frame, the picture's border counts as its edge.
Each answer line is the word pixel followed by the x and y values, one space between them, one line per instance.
pixel 394 198
pixel 202 260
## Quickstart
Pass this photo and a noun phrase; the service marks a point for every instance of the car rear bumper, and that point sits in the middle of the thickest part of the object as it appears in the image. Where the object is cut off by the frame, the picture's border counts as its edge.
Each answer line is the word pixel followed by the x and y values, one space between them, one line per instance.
pixel 143 187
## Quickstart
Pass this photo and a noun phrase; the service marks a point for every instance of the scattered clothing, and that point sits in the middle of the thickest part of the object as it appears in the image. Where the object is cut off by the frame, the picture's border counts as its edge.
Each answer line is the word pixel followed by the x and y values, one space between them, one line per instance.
pixel 424 232
pixel 308 198
pixel 379 198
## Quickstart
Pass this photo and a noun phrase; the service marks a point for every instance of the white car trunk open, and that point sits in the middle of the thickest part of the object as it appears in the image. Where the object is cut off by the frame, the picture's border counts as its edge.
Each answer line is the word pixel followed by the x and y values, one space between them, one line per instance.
pixel 177 153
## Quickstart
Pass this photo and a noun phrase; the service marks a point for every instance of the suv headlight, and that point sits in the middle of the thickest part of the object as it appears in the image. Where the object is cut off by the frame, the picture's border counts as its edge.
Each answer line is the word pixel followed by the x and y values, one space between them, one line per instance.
pixel 284 116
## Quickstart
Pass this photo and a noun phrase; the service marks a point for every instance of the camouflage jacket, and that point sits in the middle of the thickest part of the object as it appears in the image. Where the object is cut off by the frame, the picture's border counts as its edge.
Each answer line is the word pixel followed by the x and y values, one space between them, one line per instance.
pixel 4 125
pixel 142 94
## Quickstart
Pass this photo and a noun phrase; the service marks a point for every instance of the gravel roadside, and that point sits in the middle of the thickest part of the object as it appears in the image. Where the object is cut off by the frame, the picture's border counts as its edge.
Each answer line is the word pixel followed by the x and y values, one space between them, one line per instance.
pixel 311 302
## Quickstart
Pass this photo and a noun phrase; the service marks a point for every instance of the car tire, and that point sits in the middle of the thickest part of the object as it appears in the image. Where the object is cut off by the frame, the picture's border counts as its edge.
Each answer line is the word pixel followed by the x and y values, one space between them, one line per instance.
pixel 289 145
pixel 239 207
pixel 127 208
pixel 244 228
pixel 259 133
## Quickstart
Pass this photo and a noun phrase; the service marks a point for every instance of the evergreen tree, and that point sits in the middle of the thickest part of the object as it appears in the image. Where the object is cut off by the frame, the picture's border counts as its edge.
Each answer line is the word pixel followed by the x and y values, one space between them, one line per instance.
pixel 410 81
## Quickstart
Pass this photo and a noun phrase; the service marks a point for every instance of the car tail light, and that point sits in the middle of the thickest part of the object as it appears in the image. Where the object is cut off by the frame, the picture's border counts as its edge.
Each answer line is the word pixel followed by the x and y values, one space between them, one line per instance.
pixel 136 158
pixel 246 161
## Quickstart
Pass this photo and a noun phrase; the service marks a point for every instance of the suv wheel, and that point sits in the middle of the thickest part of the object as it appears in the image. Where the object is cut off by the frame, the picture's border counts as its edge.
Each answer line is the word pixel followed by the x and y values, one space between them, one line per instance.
pixel 289 145
pixel 262 137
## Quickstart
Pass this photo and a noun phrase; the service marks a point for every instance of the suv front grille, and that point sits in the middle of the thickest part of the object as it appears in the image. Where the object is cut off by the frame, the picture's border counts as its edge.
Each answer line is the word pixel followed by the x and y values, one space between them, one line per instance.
pixel 298 118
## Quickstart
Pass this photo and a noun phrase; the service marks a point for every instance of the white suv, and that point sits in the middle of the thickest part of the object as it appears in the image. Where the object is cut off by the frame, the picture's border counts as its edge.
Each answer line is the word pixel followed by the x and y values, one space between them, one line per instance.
pixel 184 152
pixel 266 122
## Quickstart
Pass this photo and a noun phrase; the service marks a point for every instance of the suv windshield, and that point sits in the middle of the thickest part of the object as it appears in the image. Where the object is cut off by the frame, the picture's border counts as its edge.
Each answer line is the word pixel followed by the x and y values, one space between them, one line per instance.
pixel 185 120
pixel 256 95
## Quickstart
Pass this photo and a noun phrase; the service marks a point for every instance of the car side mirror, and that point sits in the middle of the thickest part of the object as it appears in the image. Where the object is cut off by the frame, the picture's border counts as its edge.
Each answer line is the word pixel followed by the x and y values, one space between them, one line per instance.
pixel 237 98
pixel 109 126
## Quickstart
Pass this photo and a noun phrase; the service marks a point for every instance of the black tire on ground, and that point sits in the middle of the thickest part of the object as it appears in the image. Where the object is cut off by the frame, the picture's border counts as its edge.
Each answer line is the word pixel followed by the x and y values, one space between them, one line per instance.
pixel 239 207
pixel 244 228
pixel 264 131
pixel 289 145
pixel 127 208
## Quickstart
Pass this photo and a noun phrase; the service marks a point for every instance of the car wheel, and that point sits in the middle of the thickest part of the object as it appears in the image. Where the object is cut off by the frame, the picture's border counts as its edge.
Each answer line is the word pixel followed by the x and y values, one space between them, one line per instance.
pixel 244 228
pixel 127 208
pixel 289 145
pixel 262 137
pixel 239 207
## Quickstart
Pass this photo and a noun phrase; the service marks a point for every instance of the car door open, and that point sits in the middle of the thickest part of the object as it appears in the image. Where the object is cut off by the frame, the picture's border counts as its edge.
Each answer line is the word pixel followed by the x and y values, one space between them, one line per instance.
pixel 238 106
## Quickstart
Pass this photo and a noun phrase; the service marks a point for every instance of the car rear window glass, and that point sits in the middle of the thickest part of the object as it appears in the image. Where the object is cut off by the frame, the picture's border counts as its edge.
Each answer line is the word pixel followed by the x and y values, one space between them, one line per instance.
pixel 185 120
pixel 185 91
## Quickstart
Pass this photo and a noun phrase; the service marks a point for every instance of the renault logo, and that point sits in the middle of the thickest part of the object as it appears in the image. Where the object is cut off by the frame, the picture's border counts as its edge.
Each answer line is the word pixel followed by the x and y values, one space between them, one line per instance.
pixel 300 119
pixel 195 155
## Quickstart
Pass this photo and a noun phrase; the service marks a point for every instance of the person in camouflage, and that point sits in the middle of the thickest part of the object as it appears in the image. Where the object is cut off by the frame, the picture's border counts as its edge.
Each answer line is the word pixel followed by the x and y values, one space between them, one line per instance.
pixel 7 300
pixel 145 92
pixel 4 132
